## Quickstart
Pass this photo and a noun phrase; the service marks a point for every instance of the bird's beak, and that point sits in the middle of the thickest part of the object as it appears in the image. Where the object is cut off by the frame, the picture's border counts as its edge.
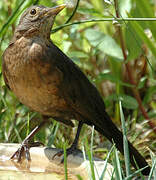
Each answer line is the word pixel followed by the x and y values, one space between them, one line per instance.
pixel 55 10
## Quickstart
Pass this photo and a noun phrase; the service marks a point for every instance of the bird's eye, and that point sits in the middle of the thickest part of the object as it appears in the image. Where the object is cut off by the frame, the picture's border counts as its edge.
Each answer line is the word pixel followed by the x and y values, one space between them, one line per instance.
pixel 33 12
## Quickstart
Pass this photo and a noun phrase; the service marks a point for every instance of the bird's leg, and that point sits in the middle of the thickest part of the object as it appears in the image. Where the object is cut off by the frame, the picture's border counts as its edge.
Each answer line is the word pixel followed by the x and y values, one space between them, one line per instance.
pixel 73 147
pixel 26 144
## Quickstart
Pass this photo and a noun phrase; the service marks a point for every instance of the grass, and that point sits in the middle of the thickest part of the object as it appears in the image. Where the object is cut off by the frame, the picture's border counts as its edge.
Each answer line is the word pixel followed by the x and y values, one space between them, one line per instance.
pixel 119 173
pixel 95 45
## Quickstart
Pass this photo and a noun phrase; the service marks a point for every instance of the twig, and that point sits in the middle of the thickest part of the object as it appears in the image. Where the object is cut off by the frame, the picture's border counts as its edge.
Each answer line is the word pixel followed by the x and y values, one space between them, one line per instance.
pixel 77 4
pixel 101 20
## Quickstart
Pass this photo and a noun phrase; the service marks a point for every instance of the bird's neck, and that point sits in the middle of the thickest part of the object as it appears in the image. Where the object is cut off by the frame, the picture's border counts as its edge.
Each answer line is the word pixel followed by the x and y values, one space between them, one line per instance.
pixel 32 33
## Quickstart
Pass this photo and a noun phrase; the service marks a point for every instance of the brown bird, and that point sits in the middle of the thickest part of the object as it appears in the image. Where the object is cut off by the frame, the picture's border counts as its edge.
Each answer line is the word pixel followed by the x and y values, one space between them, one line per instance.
pixel 47 81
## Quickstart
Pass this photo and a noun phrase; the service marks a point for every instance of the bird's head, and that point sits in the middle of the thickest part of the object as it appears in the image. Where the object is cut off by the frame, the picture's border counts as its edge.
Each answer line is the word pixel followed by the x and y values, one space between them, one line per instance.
pixel 37 20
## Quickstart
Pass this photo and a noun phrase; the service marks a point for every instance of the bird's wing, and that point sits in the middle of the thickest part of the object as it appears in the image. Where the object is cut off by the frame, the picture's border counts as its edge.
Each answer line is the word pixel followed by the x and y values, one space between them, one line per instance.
pixel 78 91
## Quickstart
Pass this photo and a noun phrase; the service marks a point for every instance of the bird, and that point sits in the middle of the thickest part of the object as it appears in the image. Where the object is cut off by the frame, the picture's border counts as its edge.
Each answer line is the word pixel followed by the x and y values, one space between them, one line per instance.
pixel 46 80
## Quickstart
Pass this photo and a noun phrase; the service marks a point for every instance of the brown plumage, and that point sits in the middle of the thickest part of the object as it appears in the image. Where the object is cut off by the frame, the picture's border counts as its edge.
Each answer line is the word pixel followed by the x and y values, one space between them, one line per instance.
pixel 46 80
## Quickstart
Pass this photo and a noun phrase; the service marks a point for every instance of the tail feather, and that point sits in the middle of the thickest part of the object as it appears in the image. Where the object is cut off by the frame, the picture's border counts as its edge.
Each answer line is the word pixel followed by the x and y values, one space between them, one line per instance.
pixel 114 135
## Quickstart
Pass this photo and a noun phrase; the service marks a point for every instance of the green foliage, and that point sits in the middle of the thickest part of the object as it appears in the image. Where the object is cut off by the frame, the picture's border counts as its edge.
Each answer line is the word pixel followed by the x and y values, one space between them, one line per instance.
pixel 103 42
pixel 95 47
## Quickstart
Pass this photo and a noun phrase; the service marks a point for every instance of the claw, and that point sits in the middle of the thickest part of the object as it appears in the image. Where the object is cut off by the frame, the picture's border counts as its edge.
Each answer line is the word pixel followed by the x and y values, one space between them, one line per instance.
pixel 26 145
pixel 60 153
pixel 24 151
pixel 27 153
pixel 72 150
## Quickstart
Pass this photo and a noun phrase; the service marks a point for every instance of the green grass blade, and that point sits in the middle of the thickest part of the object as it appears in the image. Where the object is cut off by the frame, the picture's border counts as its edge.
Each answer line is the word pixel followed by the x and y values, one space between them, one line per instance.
pixel 91 162
pixel 90 153
pixel 11 19
pixel 91 144
pixel 125 142
pixel 140 31
pixel 79 177
pixel 65 162
pixel 52 136
pixel 153 169
pixel 106 162
pixel 28 125
pixel 135 173
pixel 146 10
pixel 117 167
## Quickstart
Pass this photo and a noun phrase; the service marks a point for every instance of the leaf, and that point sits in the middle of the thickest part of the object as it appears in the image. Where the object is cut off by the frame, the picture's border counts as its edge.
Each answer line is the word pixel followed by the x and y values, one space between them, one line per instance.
pixel 142 82
pixel 110 47
pixel 98 5
pixel 94 37
pixel 146 10
pixel 87 11
pixel 140 32
pixel 66 45
pixel 128 102
pixel 124 7
pixel 112 78
pixel 133 43
pixel 149 94
pixel 77 54
pixel 105 43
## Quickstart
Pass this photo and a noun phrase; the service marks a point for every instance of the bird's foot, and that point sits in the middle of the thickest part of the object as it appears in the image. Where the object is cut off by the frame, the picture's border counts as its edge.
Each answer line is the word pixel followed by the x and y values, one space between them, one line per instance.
pixel 24 150
pixel 72 150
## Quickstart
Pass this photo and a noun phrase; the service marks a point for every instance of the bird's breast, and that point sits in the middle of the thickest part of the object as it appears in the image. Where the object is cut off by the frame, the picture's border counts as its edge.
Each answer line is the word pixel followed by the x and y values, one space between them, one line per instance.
pixel 33 78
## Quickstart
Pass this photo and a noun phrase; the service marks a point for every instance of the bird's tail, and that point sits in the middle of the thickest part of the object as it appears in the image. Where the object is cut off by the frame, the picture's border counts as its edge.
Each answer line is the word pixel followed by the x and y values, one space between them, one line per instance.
pixel 114 135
